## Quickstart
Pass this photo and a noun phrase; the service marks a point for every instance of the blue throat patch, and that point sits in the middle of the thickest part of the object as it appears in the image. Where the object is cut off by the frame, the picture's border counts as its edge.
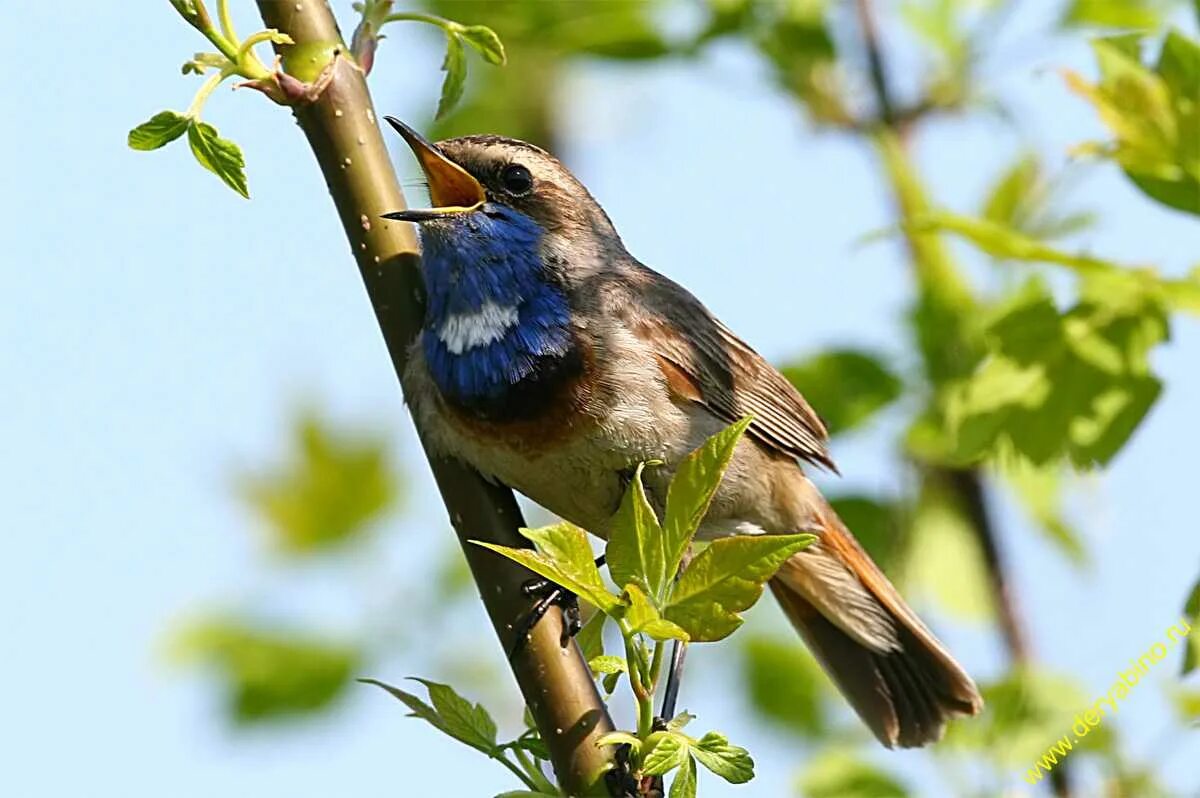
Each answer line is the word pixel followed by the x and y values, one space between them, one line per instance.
pixel 494 317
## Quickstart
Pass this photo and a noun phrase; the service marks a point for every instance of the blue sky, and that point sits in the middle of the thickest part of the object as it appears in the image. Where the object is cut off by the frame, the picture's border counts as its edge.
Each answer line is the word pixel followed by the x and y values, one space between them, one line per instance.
pixel 158 332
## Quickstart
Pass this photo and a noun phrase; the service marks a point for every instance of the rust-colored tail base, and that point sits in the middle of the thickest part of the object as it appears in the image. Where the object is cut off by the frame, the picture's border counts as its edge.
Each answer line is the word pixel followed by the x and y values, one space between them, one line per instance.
pixel 893 671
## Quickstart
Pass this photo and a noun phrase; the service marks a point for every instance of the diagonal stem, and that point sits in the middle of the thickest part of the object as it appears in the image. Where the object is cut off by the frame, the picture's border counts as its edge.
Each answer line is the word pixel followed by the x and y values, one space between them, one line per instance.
pixel 341 128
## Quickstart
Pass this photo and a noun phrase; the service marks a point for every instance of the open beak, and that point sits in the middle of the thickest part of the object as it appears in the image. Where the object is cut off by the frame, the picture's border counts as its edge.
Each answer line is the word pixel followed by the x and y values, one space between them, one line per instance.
pixel 451 188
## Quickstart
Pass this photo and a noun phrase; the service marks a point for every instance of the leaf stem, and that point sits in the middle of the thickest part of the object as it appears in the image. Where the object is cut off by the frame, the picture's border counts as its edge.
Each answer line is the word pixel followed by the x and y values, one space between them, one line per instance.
pixel 525 778
pixel 206 89
pixel 447 25
pixel 540 782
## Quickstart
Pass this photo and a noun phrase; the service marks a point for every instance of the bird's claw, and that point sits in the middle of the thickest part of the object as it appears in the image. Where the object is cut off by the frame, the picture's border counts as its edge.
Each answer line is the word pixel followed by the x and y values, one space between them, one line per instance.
pixel 548 595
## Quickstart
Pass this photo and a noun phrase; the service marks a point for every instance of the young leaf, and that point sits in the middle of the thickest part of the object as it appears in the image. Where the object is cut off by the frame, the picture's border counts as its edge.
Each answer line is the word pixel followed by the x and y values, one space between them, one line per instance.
pixel 666 751
pixel 680 721
pixel 684 785
pixel 1114 13
pixel 451 714
pixel 644 618
pixel 220 156
pixel 730 762
pixel 635 551
pixel 486 42
pixel 607 663
pixel 691 490
pixel 528 794
pixel 727 578
pixel 455 67
pixel 465 721
pixel 163 127
pixel 565 558
pixel 619 738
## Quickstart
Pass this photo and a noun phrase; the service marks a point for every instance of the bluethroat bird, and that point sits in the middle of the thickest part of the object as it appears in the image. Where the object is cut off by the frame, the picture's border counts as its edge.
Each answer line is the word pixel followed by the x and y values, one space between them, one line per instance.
pixel 552 361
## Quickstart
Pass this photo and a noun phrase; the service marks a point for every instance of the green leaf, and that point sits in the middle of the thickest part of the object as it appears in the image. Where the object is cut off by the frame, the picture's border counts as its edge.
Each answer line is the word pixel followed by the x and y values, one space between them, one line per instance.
pixel 1040 491
pixel 643 617
pixel 665 751
pixel 1191 614
pixel 528 794
pixel 684 784
pixel 1115 13
pixel 455 67
pixel 730 762
pixel 784 684
pixel 943 560
pixel 451 714
pixel 1153 116
pixel 680 721
pixel 335 485
pixel 877 523
pixel 220 156
pixel 269 674
pixel 695 482
pixel 607 663
pixel 565 558
pixel 1074 384
pixel 849 386
pixel 635 551
pixel 1012 193
pixel 160 129
pixel 727 578
pixel 840 774
pixel 590 638
pixel 486 42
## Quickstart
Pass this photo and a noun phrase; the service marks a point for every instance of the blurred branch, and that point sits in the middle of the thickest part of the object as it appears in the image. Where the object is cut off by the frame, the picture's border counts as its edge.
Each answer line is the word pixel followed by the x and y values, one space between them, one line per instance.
pixel 966 483
pixel 339 121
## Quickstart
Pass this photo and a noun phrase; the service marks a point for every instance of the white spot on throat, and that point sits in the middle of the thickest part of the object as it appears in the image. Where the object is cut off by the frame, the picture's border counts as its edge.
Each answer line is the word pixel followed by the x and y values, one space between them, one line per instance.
pixel 463 331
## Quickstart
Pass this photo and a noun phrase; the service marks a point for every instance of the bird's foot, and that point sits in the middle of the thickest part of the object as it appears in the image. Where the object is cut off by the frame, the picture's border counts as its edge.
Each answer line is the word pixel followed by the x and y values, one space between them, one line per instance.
pixel 548 595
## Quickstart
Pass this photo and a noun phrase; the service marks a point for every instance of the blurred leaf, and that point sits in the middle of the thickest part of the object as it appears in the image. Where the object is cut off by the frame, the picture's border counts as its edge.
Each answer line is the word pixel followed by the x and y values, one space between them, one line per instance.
pixel 635 552
pixel 1116 13
pixel 220 156
pixel 943 560
pixel 730 762
pixel 878 525
pixel 795 39
pixel 1021 200
pixel 163 127
pixel 1074 385
pixel 1040 491
pixel 455 67
pixel 451 714
pixel 1191 613
pixel 1024 712
pixel 486 42
pixel 784 684
pixel 684 785
pixel 1186 703
pixel 696 480
pixel 269 674
pixel 1154 116
pixel 1131 283
pixel 846 387
pixel 840 774
pixel 564 557
pixel 725 579
pixel 334 487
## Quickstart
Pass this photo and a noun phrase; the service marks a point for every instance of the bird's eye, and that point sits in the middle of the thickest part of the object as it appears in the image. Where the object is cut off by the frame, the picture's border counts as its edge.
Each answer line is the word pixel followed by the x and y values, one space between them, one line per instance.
pixel 516 179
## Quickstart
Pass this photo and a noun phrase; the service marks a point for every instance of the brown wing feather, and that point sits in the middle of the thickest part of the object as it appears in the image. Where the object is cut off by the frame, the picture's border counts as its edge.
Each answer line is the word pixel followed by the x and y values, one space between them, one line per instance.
pixel 704 361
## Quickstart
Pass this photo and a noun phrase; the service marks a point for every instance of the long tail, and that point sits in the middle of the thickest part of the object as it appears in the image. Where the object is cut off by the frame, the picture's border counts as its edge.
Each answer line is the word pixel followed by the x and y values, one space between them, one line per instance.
pixel 894 672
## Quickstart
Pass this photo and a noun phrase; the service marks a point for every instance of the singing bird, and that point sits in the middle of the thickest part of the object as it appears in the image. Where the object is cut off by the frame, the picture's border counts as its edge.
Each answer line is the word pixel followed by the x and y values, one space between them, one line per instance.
pixel 554 362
